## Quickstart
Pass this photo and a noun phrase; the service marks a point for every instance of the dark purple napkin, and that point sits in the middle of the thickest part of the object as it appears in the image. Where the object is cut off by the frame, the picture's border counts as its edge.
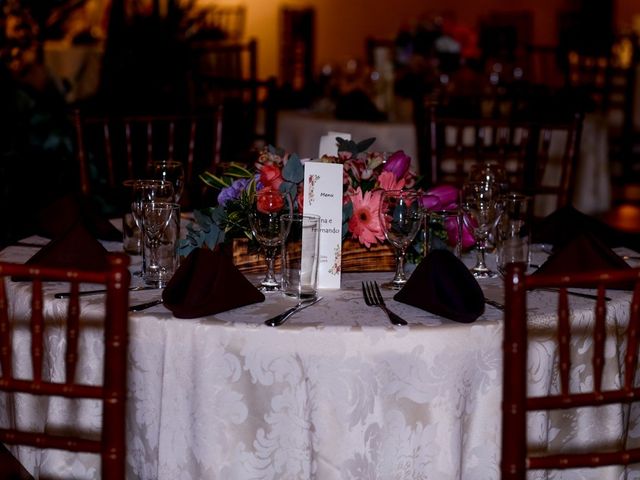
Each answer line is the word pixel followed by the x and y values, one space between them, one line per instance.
pixel 58 217
pixel 559 227
pixel 583 253
pixel 208 282
pixel 76 248
pixel 443 285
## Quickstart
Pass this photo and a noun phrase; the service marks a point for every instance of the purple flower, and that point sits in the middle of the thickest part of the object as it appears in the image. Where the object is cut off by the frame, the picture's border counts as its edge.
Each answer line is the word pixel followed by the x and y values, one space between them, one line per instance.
pixel 233 191
pixel 443 197
pixel 398 164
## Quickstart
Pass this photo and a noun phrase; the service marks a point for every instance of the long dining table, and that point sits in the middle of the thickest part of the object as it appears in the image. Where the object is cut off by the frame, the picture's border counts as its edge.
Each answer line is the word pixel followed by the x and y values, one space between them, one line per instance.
pixel 335 393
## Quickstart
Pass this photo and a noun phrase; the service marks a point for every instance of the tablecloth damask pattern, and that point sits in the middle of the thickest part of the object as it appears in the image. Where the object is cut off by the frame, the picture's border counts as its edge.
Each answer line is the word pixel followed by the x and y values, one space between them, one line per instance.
pixel 336 393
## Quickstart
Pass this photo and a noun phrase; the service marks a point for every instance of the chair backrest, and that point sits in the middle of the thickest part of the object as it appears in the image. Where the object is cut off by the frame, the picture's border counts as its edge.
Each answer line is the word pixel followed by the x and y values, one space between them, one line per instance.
pixel 224 58
pixel 249 116
pixel 113 148
pixel 229 20
pixel 609 83
pixel 539 156
pixel 518 335
pixel 109 387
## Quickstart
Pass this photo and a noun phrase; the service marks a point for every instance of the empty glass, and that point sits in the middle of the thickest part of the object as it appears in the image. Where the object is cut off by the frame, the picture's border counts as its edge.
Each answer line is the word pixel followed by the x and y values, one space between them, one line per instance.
pixel 161 224
pixel 171 171
pixel 514 231
pixel 400 218
pixel 479 202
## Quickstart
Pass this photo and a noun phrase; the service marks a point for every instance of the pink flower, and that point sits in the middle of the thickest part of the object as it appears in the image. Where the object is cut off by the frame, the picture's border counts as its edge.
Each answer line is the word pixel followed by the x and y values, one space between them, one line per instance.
pixel 442 197
pixel 364 224
pixel 388 181
pixel 451 225
pixel 271 176
pixel 398 163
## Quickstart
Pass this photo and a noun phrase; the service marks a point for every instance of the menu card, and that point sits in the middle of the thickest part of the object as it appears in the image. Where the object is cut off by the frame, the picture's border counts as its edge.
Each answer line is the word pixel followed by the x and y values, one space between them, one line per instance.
pixel 323 197
pixel 329 145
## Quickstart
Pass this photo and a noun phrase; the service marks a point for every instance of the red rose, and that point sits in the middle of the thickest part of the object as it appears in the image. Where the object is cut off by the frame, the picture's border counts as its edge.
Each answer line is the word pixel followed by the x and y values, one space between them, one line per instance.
pixel 271 176
pixel 269 200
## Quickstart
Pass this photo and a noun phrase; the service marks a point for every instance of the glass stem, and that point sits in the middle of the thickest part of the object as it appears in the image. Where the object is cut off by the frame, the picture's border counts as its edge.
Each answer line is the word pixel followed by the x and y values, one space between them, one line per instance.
pixel 270 276
pixel 399 277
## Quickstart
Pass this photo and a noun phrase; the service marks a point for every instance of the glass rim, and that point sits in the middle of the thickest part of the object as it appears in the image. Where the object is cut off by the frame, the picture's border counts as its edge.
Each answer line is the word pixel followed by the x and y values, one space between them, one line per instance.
pixel 168 162
pixel 294 216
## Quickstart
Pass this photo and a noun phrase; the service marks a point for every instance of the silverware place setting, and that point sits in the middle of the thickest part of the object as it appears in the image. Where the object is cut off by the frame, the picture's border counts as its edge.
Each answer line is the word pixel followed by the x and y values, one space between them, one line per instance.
pixel 373 298
pixel 98 292
pixel 284 316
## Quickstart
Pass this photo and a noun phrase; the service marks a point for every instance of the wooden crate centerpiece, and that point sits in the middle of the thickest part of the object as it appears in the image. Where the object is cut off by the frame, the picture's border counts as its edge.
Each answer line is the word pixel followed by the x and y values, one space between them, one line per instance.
pixel 355 257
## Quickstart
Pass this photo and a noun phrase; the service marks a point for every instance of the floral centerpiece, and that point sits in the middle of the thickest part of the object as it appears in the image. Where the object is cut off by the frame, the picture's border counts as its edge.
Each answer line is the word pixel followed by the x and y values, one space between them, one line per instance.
pixel 366 175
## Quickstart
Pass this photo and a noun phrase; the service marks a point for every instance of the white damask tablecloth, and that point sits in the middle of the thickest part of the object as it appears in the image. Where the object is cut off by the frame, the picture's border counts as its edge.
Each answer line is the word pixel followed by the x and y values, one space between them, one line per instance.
pixel 336 393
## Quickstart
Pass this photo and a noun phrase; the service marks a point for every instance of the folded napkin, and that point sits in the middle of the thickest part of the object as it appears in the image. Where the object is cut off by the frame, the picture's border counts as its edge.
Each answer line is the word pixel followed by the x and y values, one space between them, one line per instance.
pixel 565 223
pixel 208 282
pixel 443 285
pixel 58 217
pixel 76 248
pixel 583 253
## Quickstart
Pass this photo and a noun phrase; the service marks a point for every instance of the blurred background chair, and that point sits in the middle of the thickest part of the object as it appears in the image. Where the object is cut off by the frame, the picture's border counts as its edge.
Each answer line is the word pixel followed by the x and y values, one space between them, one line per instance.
pixel 113 148
pixel 19 375
pixel 225 73
pixel 607 83
pixel 249 113
pixel 538 155
pixel 612 387
pixel 220 22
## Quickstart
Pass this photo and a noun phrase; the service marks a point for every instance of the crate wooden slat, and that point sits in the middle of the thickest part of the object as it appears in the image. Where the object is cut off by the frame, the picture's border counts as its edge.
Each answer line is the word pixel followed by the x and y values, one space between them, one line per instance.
pixel 355 257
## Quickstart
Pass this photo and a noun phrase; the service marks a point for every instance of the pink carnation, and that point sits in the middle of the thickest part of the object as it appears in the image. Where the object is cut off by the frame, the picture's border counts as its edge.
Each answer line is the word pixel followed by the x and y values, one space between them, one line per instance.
pixel 364 224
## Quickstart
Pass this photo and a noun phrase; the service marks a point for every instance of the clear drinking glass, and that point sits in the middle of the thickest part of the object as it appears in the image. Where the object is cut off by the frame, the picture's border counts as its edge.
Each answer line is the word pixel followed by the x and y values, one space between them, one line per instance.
pixel 268 206
pixel 142 192
pixel 157 216
pixel 400 218
pixel 479 200
pixel 514 231
pixel 171 171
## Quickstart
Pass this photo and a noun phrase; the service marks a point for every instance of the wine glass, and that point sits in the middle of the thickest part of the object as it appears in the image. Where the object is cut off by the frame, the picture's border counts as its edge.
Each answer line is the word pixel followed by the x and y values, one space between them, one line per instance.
pixel 144 191
pixel 494 176
pixel 171 171
pixel 156 217
pixel 479 201
pixel 400 218
pixel 268 206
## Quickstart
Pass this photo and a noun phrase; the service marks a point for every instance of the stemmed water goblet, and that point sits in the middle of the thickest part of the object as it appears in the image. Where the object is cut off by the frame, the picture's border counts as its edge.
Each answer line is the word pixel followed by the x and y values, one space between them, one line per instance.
pixel 268 206
pixel 171 171
pixel 145 191
pixel 400 218
pixel 479 200
pixel 156 218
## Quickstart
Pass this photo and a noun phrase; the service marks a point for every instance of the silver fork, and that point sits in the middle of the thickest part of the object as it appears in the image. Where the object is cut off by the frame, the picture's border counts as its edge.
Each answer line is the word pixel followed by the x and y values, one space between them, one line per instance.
pixel 373 298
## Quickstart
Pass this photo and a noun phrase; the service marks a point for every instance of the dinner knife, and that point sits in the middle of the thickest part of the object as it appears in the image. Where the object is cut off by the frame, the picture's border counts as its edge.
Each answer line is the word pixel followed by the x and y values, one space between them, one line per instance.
pixel 284 316
pixel 144 306
pixel 96 292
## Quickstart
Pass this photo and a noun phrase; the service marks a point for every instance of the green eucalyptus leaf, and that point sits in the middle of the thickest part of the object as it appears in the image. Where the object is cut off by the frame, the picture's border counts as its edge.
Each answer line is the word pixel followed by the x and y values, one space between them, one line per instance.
pixel 293 171
pixel 363 145
pixel 214 181
pixel 289 188
pixel 347 212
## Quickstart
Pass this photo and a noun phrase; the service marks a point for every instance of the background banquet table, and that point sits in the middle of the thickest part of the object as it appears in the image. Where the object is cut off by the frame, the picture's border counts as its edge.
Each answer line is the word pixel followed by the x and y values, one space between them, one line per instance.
pixel 336 393
pixel 298 131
